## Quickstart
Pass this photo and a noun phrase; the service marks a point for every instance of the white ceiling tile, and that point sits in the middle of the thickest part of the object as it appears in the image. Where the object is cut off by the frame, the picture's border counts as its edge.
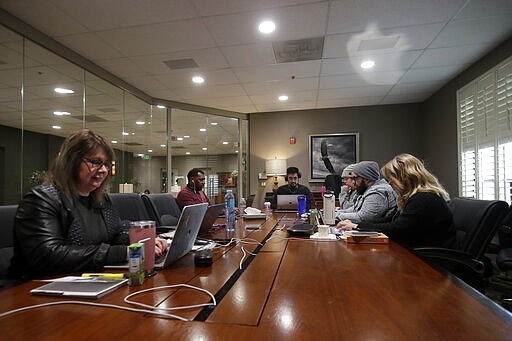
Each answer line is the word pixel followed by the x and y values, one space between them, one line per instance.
pixel 355 15
pixel 206 59
pixel 296 22
pixel 90 46
pixel 298 96
pixel 159 38
pixel 485 8
pixel 98 15
pixel 241 108
pixel 121 66
pixel 476 31
pixel 364 91
pixel 183 78
pixel 282 71
pixel 414 88
pixel 210 92
pixel 216 7
pixel 451 55
pixel 249 55
pixel 281 87
pixel 440 73
pixel 225 101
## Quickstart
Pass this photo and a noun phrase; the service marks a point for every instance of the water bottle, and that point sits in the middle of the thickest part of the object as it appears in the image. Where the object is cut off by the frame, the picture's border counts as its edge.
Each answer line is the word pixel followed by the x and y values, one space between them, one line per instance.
pixel 229 207
pixel 241 206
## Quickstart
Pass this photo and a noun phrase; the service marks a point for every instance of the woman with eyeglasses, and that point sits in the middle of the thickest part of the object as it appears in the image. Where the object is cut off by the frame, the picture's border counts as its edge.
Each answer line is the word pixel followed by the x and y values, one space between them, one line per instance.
pixel 67 224
pixel 423 217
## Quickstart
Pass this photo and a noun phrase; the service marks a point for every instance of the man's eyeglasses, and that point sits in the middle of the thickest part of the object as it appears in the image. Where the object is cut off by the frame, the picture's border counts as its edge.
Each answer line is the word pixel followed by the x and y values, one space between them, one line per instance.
pixel 97 163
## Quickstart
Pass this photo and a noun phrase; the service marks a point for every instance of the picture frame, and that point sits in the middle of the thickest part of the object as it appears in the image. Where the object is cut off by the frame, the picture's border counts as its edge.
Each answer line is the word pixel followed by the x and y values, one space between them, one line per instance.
pixel 331 153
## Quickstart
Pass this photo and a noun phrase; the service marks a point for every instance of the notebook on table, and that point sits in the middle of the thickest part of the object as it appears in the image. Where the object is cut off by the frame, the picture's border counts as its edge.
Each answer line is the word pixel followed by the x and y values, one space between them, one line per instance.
pixel 287 203
pixel 84 287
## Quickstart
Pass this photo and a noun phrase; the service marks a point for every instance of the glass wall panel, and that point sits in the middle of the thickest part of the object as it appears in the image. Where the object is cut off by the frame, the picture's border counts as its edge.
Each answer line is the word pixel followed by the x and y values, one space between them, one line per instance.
pixel 11 73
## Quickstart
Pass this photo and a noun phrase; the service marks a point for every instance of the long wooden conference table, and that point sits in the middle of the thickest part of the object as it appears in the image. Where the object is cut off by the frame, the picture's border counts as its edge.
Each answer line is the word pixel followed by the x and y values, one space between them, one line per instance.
pixel 296 289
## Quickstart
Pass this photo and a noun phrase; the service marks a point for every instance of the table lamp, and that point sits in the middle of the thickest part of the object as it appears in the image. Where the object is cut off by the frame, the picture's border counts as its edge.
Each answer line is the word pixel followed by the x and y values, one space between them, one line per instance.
pixel 275 167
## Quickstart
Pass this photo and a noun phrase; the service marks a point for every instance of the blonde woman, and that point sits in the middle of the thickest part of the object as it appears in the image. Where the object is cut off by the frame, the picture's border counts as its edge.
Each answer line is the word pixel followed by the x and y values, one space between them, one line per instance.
pixel 423 217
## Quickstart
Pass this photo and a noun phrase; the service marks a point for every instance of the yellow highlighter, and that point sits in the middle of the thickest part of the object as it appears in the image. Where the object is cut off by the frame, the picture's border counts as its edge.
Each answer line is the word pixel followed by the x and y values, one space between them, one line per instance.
pixel 103 275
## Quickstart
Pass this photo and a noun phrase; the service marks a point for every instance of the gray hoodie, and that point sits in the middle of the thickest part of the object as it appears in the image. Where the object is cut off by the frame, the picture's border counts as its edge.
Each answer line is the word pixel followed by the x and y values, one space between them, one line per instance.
pixel 377 204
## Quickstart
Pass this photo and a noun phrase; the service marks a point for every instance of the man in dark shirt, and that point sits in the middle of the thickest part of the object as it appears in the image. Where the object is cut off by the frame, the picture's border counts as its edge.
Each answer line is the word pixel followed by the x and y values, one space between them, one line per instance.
pixel 293 187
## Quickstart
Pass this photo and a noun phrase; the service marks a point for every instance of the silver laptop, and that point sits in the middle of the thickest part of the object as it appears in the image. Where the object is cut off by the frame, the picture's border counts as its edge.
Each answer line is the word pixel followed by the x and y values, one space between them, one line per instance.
pixel 287 203
pixel 185 235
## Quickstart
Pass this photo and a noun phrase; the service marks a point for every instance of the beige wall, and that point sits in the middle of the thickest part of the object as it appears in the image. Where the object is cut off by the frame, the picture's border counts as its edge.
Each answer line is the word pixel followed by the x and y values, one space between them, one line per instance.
pixel 384 131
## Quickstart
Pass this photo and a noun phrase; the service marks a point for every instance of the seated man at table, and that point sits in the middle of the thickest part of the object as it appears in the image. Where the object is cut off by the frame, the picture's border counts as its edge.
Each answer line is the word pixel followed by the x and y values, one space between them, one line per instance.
pixel 193 193
pixel 376 201
pixel 293 187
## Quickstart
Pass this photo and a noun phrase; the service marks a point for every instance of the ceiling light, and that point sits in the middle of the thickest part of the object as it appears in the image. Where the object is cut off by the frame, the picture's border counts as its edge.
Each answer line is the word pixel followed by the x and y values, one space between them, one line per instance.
pixel 236 151
pixel 160 106
pixel 267 27
pixel 125 133
pixel 186 136
pixel 225 142
pixel 202 129
pixel 63 91
pixel 163 145
pixel 367 64
pixel 113 141
pixel 141 123
pixel 179 138
pixel 187 153
pixel 204 148
pixel 283 98
pixel 150 150
pixel 198 79
pixel 56 127
pixel 61 113
pixel 133 133
pixel 214 123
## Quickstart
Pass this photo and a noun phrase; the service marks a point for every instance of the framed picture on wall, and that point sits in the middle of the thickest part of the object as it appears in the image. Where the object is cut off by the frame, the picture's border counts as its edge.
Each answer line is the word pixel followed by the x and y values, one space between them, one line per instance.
pixel 331 153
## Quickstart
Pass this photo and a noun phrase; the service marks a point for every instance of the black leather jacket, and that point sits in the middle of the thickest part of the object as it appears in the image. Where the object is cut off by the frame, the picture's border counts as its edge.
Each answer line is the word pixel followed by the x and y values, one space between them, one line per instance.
pixel 48 236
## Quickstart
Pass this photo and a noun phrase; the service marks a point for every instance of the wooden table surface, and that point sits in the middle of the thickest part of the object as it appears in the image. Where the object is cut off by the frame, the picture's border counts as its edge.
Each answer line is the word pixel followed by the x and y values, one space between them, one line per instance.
pixel 287 289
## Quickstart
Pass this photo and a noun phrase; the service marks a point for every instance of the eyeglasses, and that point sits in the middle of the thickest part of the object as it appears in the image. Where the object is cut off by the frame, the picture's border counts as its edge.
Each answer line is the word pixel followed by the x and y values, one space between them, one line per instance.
pixel 97 163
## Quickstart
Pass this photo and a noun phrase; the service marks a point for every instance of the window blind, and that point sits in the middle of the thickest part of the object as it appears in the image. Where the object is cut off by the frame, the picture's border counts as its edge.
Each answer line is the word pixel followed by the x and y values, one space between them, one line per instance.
pixel 485 135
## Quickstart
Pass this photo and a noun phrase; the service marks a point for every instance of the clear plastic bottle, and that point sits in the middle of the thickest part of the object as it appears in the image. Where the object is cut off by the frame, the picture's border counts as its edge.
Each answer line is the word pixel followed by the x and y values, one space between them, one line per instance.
pixel 229 206
pixel 241 206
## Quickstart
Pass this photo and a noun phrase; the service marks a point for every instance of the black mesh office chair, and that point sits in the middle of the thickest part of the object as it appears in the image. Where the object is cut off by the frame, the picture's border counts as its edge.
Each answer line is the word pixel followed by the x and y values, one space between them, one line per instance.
pixel 476 221
pixel 7 216
pixel 129 206
pixel 162 208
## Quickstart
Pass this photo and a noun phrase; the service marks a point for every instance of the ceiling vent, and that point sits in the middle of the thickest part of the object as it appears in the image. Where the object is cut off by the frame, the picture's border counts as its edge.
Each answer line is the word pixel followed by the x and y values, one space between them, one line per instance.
pixel 298 50
pixel 378 44
pixel 89 118
pixel 178 64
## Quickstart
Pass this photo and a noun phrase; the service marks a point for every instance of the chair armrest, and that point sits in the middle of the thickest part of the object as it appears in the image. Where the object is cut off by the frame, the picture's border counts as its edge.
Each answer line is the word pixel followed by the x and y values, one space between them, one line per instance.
pixel 450 255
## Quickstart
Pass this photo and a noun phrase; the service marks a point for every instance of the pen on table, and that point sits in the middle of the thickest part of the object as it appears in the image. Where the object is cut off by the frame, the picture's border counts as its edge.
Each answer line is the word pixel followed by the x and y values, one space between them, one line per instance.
pixel 103 275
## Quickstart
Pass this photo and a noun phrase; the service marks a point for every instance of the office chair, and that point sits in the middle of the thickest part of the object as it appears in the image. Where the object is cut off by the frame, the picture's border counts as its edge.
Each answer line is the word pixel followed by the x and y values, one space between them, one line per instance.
pixel 250 200
pixel 7 218
pixel 162 208
pixel 129 206
pixel 475 222
pixel 333 182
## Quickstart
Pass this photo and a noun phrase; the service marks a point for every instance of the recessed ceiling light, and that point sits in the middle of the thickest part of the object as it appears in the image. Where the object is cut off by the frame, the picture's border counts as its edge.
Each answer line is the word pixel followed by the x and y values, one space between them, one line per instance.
pixel 61 113
pixel 283 98
pixel 214 123
pixel 56 127
pixel 150 150
pixel 113 141
pixel 225 142
pixel 198 79
pixel 179 138
pixel 236 151
pixel 204 148
pixel 133 133
pixel 267 26
pixel 141 123
pixel 63 91
pixel 202 129
pixel 187 153
pixel 125 133
pixel 186 136
pixel 160 106
pixel 367 64
pixel 163 145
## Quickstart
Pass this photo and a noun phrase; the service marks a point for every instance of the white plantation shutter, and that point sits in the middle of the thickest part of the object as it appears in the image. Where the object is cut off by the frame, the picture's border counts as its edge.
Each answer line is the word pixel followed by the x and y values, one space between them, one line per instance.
pixel 485 135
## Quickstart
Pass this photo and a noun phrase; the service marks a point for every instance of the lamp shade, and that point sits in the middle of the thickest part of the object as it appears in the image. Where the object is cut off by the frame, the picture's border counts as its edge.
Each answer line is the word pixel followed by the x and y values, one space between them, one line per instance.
pixel 275 167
